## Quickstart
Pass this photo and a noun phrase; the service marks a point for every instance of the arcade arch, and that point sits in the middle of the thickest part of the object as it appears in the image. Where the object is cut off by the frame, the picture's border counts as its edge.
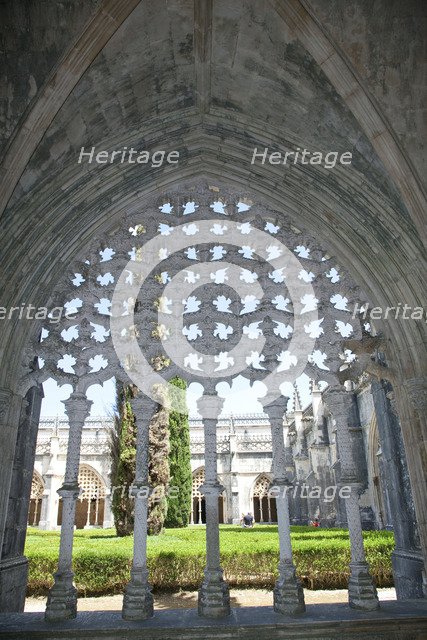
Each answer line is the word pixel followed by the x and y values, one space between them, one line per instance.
pixel 264 504
pixel 54 207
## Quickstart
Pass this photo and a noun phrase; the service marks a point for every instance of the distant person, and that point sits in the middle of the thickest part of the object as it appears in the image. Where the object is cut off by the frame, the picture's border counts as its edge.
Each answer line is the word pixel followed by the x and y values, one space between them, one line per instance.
pixel 248 520
pixel 315 522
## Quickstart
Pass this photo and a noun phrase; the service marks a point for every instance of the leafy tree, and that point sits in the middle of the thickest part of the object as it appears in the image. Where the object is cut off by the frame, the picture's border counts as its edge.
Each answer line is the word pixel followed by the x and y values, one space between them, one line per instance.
pixel 158 469
pixel 179 502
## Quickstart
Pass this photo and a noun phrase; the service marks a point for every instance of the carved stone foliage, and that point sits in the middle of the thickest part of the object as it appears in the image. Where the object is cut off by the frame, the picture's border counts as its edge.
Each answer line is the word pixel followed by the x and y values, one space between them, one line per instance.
pixel 197 445
pixel 198 480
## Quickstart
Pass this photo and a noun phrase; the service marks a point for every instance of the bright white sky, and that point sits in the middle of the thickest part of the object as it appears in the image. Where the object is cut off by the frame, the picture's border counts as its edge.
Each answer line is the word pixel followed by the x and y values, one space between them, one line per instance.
pixel 241 399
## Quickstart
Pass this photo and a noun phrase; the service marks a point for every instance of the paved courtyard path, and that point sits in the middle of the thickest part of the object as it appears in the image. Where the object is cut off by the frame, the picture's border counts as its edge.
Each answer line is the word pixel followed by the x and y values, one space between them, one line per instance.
pixel 188 599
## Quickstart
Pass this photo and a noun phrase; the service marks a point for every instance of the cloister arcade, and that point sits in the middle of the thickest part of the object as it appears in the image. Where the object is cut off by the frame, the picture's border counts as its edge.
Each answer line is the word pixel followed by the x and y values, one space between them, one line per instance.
pixel 215 266
pixel 290 307
pixel 90 504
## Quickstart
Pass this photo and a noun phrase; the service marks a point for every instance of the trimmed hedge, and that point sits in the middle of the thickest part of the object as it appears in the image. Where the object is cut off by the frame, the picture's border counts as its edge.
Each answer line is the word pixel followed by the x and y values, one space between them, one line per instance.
pixel 176 559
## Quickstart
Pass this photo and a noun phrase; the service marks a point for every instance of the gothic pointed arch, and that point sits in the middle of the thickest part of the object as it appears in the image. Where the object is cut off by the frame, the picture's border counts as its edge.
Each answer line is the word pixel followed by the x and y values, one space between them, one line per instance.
pixel 37 491
pixel 264 504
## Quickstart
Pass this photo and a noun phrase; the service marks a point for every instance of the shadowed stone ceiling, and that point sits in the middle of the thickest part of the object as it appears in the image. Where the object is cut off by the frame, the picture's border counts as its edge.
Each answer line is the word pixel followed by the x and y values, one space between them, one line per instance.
pixel 212 81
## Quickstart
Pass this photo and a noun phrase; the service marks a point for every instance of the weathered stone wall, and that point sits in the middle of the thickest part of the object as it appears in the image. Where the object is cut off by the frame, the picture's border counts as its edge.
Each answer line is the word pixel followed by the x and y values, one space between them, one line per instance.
pixel 385 42
pixel 34 35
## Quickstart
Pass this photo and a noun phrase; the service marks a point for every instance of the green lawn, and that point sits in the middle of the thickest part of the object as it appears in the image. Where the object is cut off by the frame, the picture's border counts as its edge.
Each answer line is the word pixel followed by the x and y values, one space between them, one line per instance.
pixel 177 557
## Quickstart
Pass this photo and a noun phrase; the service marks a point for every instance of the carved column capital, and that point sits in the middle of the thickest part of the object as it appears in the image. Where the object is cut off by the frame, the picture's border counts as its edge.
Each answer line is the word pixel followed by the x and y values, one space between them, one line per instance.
pixel 210 406
pixel 340 403
pixel 77 407
pixel 276 408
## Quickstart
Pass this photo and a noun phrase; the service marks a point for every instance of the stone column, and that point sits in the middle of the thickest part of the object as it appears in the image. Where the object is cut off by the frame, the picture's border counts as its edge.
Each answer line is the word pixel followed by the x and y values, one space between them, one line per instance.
pixel 138 599
pixel 288 592
pixel 52 479
pixel 414 413
pixel 214 598
pixel 108 515
pixel 362 593
pixel 14 565
pixel 10 413
pixel 406 558
pixel 62 599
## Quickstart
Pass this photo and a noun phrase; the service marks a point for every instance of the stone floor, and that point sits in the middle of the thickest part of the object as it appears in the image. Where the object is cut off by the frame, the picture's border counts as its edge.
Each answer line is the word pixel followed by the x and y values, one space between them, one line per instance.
pixel 395 620
pixel 188 599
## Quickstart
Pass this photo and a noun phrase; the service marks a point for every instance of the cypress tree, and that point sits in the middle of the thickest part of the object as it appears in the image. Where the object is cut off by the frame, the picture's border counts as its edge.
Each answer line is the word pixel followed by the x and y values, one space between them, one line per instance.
pixel 123 451
pixel 179 502
pixel 158 469
pixel 123 458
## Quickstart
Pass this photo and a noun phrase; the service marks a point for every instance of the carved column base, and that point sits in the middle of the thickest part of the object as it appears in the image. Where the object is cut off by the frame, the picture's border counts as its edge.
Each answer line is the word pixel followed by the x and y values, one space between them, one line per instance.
pixel 288 594
pixel 362 593
pixel 138 599
pixel 214 597
pixel 62 598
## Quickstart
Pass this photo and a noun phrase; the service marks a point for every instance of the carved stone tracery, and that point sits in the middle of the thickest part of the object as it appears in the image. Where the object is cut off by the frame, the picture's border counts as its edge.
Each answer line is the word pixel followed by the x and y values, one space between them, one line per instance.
pixel 286 294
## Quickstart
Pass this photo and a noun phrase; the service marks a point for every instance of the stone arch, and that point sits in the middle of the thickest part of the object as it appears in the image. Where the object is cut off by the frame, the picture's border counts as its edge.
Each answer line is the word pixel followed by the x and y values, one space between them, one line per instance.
pixel 297 16
pixel 91 502
pixel 301 18
pixel 57 87
pixel 264 505
pixel 227 194
pixel 371 235
pixel 37 491
pixel 198 505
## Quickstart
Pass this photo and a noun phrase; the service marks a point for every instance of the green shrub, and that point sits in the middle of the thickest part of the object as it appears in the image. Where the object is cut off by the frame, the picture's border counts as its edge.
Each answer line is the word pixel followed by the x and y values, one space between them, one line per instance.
pixel 176 559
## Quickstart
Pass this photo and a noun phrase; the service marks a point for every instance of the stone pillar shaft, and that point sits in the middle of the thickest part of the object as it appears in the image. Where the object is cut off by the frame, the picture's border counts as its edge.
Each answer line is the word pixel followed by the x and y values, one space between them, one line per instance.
pixel 62 599
pixel 214 598
pixel 138 599
pixel 67 529
pixel 140 536
pixel 412 405
pixel 355 526
pixel 288 593
pixel 406 558
pixel 10 413
pixel 284 525
pixel 362 593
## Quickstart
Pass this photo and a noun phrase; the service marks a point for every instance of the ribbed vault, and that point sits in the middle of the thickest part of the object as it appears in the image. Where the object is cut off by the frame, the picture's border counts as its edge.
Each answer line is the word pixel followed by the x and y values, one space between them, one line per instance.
pixel 214 84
